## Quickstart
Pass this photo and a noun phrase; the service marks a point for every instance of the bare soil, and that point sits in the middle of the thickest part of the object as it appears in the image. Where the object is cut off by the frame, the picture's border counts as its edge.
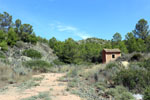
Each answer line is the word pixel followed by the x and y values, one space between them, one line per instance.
pixel 48 83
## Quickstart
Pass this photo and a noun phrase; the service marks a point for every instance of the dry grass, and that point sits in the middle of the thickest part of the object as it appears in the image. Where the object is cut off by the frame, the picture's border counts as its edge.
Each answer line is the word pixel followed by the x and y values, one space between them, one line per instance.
pixel 9 76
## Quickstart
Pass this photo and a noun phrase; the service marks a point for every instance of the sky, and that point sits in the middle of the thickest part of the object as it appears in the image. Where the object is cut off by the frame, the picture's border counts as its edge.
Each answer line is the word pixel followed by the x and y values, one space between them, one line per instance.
pixel 78 19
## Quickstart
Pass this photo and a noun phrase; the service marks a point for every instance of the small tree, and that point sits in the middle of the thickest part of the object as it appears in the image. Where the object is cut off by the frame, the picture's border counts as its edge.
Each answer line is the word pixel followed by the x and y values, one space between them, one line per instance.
pixel 131 42
pixel 141 29
pixel 117 37
pixel 52 42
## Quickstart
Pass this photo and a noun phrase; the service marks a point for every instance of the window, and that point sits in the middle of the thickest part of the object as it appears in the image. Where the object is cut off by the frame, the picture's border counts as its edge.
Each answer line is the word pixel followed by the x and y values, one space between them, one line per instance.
pixel 113 56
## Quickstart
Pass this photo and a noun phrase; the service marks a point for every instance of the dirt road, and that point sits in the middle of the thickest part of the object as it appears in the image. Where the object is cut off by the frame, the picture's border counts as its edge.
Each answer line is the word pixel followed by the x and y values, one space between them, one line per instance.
pixel 49 82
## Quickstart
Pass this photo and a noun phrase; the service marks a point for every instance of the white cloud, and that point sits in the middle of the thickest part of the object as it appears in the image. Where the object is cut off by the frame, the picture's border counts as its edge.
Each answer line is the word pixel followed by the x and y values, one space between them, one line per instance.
pixel 62 28
pixel 69 29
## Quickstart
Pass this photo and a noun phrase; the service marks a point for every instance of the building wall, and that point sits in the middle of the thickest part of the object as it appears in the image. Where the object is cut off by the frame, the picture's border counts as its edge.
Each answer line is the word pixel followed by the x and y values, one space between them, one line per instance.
pixel 107 57
pixel 104 56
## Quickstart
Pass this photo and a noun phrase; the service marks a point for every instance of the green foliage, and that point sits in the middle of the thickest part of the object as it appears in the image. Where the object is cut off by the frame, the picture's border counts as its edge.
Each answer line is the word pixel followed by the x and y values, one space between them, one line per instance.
pixel 147 94
pixel 71 51
pixel 122 47
pixel 38 65
pixel 141 29
pixel 32 53
pixel 27 28
pixel 135 45
pixel 52 42
pixel 134 79
pixel 120 93
pixel 12 37
pixel 71 54
pixel 131 42
pixel 117 43
pixel 32 38
pixel 145 64
pixel 4 46
pixel 5 21
pixel 2 55
pixel 17 27
pixel 58 62
pixel 28 84
pixel 141 47
pixel 2 36
pixel 117 37
pixel 43 40
pixel 111 65
pixel 40 96
pixel 14 32
pixel 29 38
pixel 3 43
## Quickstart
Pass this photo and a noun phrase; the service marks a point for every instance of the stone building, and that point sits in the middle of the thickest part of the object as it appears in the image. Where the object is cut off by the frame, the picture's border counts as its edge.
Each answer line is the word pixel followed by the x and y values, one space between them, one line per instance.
pixel 110 55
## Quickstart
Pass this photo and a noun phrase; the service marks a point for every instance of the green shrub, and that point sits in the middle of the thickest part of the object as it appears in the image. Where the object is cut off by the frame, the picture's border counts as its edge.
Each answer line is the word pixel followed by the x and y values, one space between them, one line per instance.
pixel 2 55
pixel 58 62
pixel 33 38
pixel 111 65
pixel 134 79
pixel 40 96
pixel 12 37
pixel 20 44
pixel 126 96
pixel 73 72
pixel 32 53
pixel 120 93
pixel 145 64
pixel 147 94
pixel 38 65
pixel 4 45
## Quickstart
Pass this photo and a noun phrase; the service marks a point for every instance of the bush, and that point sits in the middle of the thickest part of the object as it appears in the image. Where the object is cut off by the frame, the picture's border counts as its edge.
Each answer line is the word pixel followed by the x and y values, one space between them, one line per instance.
pixel 12 37
pixel 33 38
pixel 40 96
pixel 145 64
pixel 32 53
pixel 2 55
pixel 120 93
pixel 10 76
pixel 147 94
pixel 38 65
pixel 4 46
pixel 127 96
pixel 137 57
pixel 112 65
pixel 134 79
pixel 20 44
pixel 58 62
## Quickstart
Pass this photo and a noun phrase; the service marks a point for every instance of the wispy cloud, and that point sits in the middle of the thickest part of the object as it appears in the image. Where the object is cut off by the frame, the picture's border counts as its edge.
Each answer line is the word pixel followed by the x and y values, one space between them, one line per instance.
pixel 62 28
pixel 70 29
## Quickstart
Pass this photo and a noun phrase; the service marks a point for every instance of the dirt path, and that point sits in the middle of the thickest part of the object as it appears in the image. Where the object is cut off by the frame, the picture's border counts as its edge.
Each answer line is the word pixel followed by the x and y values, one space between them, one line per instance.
pixel 49 82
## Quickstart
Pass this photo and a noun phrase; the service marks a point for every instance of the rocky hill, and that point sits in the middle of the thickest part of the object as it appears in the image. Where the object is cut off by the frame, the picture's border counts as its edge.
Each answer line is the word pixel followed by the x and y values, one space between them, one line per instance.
pixel 94 40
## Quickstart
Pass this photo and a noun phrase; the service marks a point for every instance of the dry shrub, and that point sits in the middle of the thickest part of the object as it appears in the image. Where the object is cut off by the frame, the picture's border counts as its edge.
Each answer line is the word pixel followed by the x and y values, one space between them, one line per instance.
pixel 9 76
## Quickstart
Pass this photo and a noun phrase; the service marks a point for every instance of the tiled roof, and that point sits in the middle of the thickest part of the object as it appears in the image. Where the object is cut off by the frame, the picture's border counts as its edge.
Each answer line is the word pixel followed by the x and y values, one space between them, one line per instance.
pixel 112 50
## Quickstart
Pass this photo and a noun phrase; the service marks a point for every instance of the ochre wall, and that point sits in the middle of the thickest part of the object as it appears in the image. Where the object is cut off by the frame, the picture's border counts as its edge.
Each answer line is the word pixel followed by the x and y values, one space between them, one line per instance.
pixel 107 57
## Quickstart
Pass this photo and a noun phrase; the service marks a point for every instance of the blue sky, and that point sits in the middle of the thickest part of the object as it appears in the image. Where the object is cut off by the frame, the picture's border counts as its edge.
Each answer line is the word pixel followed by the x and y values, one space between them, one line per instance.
pixel 78 19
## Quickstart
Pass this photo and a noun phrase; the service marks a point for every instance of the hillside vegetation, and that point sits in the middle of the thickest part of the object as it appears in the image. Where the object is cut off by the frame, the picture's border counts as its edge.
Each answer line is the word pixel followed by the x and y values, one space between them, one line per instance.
pixel 22 54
